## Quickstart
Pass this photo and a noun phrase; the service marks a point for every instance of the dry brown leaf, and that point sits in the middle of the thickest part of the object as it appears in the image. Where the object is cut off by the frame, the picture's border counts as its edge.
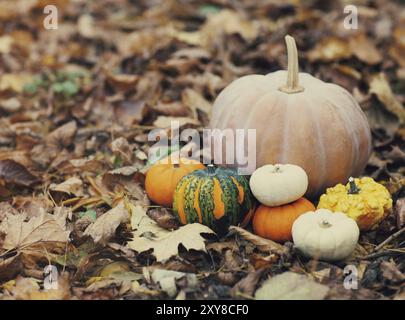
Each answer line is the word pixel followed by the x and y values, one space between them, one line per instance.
pixel 262 244
pixel 29 289
pixel 103 229
pixel 14 81
pixel 330 49
pixel 173 109
pixel 120 147
pixel 10 267
pixel 363 48
pixel 72 186
pixel 166 122
pixel 194 100
pixel 148 235
pixel 380 87
pixel 247 285
pixel 15 173
pixel 130 112
pixel 164 218
pixel 400 211
pixel 42 228
pixel 291 286
pixel 5 44
pixel 391 272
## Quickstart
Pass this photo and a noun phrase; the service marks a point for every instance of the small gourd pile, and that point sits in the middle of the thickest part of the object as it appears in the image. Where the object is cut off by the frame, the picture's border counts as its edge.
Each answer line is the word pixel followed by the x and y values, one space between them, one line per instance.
pixel 280 189
pixel 213 196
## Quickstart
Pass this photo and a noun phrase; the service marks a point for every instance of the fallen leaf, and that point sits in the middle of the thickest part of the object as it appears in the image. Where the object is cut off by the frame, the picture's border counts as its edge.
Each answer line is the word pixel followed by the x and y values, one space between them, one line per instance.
pixel 148 235
pixel 173 109
pixel 166 122
pixel 6 44
pixel 72 186
pixel 261 243
pixel 29 289
pixel 194 100
pixel 391 272
pixel 247 285
pixel 164 218
pixel 380 87
pixel 104 227
pixel 14 81
pixel 364 49
pixel 9 267
pixel 330 49
pixel 15 173
pixel 400 211
pixel 291 286
pixel 167 280
pixel 43 228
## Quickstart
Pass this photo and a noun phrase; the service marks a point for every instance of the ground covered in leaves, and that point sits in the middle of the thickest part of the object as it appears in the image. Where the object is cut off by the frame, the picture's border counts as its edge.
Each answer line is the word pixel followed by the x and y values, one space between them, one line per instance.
pixel 77 103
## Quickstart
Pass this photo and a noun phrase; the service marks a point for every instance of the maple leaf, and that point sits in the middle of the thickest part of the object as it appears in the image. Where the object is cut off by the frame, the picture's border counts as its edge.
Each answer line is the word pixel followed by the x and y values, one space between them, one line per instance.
pixel 148 235
pixel 42 228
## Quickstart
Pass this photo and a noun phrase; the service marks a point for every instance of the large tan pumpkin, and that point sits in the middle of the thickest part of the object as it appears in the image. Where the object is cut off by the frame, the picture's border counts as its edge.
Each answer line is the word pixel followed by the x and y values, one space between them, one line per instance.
pixel 299 120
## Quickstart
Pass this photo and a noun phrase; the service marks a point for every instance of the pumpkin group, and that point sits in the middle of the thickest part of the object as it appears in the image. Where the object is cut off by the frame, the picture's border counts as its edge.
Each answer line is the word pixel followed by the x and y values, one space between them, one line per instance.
pixel 215 197
pixel 162 178
pixel 300 120
pixel 275 223
pixel 364 200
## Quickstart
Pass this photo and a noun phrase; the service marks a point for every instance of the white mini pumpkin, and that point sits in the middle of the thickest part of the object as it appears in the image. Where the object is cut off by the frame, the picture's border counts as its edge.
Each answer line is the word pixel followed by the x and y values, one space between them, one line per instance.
pixel 275 185
pixel 325 235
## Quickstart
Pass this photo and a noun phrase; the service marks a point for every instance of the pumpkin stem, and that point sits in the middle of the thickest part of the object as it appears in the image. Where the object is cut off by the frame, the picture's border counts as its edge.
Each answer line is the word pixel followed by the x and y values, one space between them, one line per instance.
pixel 325 224
pixel 292 85
pixel 353 189
pixel 211 169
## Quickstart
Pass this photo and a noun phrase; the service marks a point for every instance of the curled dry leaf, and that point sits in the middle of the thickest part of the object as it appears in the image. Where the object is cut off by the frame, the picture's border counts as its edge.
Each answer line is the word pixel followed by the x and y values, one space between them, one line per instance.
pixel 261 243
pixel 167 280
pixel 72 186
pixel 120 147
pixel 400 211
pixel 247 285
pixel 391 272
pixel 380 87
pixel 103 229
pixel 15 173
pixel 164 218
pixel 9 267
pixel 173 109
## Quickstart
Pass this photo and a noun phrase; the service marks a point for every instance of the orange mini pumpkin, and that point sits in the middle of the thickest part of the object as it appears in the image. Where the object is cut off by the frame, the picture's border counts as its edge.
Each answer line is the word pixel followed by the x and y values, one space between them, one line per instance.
pixel 162 178
pixel 275 223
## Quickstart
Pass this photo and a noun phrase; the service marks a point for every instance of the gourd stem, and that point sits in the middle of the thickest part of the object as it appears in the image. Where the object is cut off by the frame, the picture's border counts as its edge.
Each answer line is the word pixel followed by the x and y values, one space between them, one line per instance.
pixel 353 188
pixel 292 85
pixel 211 169
pixel 325 224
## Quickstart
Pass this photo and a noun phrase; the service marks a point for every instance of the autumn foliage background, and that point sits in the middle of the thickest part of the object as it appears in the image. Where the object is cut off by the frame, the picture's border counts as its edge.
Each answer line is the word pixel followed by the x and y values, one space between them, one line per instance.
pixel 77 103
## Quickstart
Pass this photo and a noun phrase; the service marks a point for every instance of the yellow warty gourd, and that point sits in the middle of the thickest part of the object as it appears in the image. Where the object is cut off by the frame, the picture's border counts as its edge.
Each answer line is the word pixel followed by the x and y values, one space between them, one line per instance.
pixel 364 200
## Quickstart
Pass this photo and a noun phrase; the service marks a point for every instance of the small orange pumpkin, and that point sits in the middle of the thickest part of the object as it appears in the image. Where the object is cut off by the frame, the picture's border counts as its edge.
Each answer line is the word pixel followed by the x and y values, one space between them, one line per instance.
pixel 275 223
pixel 162 178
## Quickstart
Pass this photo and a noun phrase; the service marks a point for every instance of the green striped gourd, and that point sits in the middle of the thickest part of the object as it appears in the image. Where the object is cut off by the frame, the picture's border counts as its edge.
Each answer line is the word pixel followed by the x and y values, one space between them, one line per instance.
pixel 215 197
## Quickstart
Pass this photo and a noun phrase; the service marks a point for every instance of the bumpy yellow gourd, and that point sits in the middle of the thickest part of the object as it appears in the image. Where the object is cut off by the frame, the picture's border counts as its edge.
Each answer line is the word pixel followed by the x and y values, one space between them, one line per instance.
pixel 364 200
